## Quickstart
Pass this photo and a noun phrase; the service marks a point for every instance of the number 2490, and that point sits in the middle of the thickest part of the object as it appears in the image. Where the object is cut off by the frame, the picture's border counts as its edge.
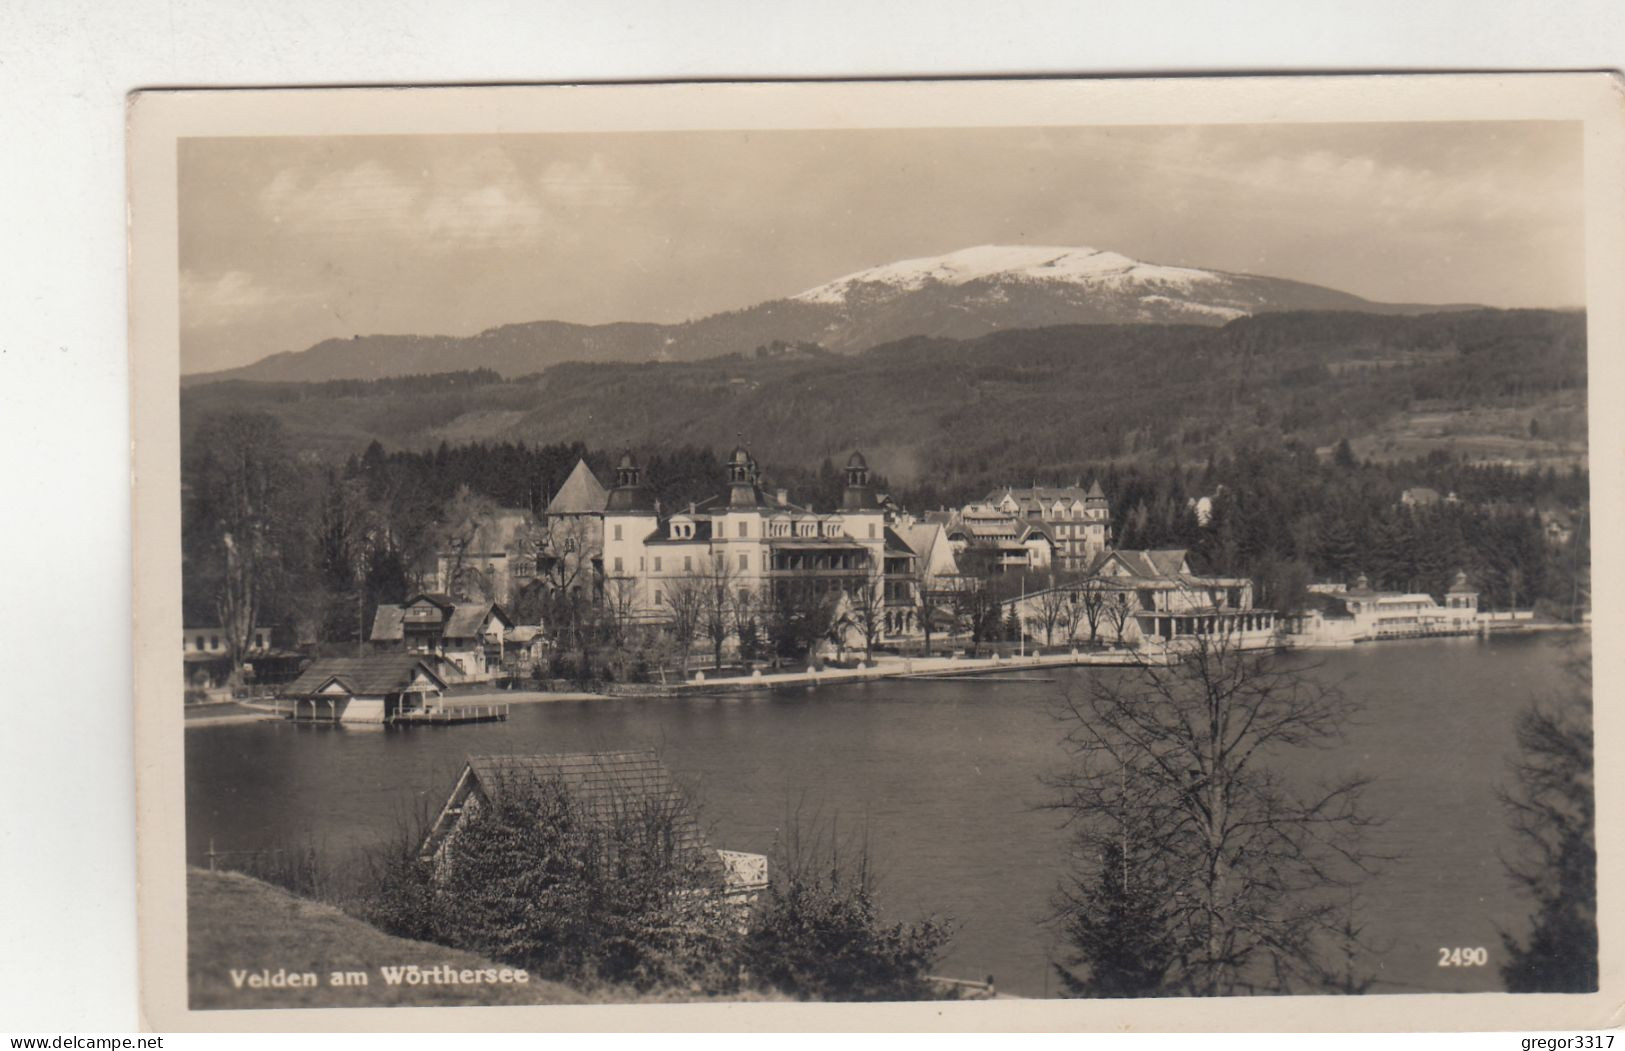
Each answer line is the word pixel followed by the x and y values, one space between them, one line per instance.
pixel 1474 957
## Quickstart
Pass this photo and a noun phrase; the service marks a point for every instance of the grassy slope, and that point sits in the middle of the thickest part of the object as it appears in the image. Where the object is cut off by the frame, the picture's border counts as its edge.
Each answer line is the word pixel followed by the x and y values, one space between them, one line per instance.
pixel 237 922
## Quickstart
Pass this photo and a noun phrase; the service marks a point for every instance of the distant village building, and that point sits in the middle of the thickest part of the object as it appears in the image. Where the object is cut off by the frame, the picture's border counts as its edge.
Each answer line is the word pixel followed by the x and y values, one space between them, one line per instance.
pixel 468 636
pixel 372 689
pixel 207 658
pixel 632 790
pixel 1033 529
pixel 1362 613
pixel 1154 598
pixel 1422 496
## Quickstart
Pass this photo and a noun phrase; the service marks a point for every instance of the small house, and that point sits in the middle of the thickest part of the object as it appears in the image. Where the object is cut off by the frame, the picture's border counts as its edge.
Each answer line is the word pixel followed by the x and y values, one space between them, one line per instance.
pixel 610 787
pixel 469 636
pixel 372 689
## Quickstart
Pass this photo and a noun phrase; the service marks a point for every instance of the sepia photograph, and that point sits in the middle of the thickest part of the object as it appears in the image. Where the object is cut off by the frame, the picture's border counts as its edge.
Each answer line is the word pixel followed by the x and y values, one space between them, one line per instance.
pixel 1086 555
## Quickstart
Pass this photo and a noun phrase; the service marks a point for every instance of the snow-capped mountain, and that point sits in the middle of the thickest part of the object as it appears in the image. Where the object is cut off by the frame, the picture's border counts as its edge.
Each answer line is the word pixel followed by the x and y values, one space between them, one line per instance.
pixel 961 295
pixel 1044 264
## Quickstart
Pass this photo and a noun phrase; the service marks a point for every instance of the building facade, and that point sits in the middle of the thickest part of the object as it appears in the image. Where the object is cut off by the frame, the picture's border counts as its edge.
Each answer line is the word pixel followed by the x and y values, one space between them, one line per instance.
pixel 761 545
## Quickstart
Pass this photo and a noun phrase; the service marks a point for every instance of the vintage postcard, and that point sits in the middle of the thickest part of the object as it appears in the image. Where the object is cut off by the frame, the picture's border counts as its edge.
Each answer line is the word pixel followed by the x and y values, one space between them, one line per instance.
pixel 1048 554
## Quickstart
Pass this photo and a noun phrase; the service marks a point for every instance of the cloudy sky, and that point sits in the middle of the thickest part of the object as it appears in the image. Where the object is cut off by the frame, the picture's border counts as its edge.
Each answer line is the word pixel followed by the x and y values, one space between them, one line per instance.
pixel 285 242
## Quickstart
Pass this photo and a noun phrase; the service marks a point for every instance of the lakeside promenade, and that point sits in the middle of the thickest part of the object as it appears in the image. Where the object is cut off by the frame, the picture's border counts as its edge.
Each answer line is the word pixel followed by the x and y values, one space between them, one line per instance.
pixel 888 666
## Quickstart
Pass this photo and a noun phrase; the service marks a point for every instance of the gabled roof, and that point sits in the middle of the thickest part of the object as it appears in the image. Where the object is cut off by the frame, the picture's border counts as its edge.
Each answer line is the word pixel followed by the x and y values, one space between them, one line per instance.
pixel 437 598
pixel 389 624
pixel 1158 564
pixel 896 545
pixel 604 784
pixel 468 618
pixel 370 676
pixel 581 493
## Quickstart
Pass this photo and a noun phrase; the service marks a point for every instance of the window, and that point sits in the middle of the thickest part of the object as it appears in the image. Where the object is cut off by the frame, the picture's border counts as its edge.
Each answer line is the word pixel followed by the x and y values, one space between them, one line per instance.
pixel 657 598
pixel 744 528
pixel 617 565
pixel 200 642
pixel 744 561
pixel 214 642
pixel 617 531
pixel 657 563
pixel 871 530
pixel 688 563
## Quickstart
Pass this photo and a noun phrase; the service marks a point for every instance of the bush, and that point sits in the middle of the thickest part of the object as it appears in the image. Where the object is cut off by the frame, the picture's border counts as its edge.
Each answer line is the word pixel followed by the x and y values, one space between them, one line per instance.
pixel 819 934
pixel 538 879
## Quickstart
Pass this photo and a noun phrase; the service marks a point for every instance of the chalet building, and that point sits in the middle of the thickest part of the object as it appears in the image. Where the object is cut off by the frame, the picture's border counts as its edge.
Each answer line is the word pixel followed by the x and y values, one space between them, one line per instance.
pixel 372 689
pixel 1008 543
pixel 1153 598
pixel 467 636
pixel 764 544
pixel 1077 520
pixel 207 658
pixel 632 791
pixel 1032 530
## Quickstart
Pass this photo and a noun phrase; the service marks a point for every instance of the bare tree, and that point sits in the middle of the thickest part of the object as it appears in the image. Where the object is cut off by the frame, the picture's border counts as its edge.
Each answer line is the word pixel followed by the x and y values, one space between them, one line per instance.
pixel 1119 613
pixel 620 607
pixel 868 603
pixel 1245 877
pixel 686 598
pixel 466 516
pixel 1054 603
pixel 716 608
pixel 927 591
pixel 1093 595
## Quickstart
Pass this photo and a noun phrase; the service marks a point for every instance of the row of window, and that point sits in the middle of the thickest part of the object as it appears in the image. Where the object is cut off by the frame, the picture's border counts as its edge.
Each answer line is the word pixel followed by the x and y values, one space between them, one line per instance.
pixel 775 528
pixel 688 563
pixel 214 642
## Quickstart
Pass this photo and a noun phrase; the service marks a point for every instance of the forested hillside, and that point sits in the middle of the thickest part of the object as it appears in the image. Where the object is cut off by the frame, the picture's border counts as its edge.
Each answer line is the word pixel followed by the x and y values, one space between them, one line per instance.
pixel 1013 404
pixel 1273 419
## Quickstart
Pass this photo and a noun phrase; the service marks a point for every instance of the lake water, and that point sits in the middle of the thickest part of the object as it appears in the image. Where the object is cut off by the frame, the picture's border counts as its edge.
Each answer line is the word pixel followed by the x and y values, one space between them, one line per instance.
pixel 945 778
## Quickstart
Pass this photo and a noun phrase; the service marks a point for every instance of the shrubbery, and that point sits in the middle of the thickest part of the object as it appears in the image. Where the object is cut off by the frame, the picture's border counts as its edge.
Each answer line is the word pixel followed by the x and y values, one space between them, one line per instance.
pixel 625 897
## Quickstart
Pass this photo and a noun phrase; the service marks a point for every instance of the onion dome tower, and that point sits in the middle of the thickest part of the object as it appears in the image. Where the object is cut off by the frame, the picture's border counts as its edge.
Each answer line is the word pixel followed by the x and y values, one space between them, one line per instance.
pixel 629 495
pixel 858 496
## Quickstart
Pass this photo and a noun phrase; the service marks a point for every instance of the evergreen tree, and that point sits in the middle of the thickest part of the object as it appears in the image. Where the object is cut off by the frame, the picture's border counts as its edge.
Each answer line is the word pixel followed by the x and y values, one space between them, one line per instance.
pixel 1553 809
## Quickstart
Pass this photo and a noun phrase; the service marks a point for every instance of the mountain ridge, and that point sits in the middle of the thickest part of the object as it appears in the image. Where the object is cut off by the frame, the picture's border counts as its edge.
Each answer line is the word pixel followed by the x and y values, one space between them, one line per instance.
pixel 958 295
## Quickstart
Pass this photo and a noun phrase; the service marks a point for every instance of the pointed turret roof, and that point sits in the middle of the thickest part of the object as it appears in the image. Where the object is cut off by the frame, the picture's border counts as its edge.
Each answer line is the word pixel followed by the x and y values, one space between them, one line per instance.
pixel 581 493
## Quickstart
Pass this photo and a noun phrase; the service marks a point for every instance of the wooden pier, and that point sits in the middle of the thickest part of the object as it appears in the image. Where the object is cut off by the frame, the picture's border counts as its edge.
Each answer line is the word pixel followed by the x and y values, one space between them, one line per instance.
pixel 456 713
pixel 317 711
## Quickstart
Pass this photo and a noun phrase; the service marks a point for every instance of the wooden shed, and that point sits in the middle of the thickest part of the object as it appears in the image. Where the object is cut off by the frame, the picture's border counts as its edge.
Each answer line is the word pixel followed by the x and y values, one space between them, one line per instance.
pixel 609 786
pixel 372 689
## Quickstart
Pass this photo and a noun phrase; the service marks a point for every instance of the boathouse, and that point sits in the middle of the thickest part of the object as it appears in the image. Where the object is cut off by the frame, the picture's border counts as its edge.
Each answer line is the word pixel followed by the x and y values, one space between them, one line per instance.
pixel 622 789
pixel 373 689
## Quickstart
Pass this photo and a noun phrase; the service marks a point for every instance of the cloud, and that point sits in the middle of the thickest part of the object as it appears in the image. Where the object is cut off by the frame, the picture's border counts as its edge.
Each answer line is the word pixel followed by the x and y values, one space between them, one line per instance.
pixel 477 200
pixel 224 299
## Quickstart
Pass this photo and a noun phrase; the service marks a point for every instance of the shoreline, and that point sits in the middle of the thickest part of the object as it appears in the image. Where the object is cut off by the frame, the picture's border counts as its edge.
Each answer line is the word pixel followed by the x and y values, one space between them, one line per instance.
pixel 923 669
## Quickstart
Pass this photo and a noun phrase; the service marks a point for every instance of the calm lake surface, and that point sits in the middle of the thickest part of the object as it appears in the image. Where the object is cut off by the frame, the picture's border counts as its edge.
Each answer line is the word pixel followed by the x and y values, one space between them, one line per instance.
pixel 945 777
